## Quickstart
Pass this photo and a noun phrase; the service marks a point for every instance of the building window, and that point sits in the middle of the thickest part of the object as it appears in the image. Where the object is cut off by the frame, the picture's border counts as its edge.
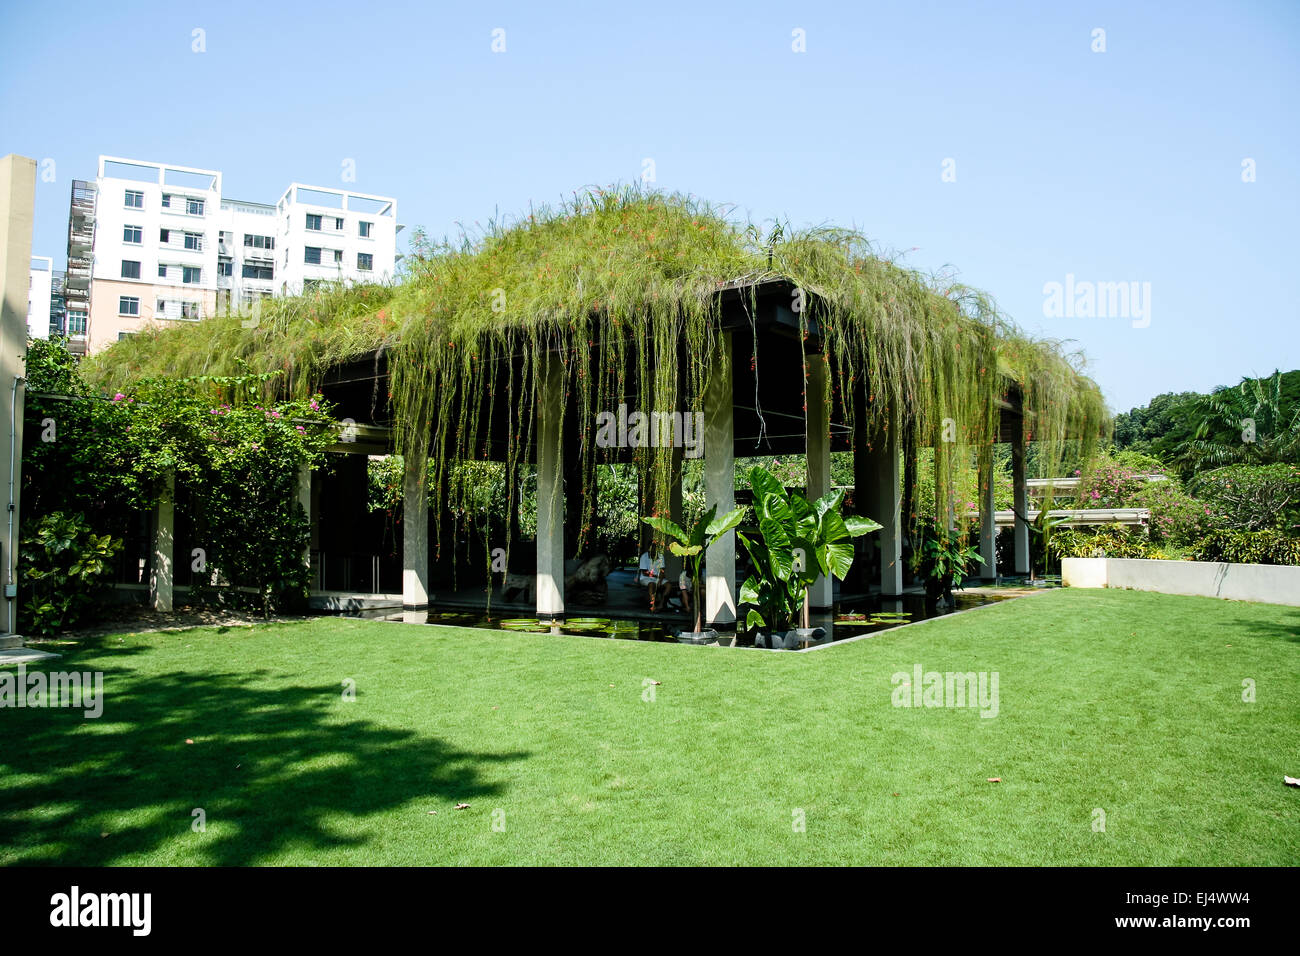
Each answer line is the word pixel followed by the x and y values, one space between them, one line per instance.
pixel 365 261
pixel 309 285
pixel 338 225
pixel 225 267
pixel 313 222
pixel 128 305
pixel 189 310
pixel 164 236
pixel 134 199
pixel 364 229
pixel 191 275
pixel 311 255
pixel 162 271
pixel 124 335
pixel 338 256
pixel 167 201
pixel 254 271
pixel 133 235
pixel 194 207
pixel 194 241
pixel 130 269
pixel 76 323
pixel 258 242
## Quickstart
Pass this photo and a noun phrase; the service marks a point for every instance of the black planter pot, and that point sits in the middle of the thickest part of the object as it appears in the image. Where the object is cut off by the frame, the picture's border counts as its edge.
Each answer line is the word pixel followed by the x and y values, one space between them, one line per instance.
pixel 939 590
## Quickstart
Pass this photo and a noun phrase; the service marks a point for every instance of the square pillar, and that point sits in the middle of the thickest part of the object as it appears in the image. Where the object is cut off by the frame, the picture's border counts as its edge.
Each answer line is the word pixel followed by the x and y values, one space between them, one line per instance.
pixel 415 537
pixel 817 424
pixel 720 487
pixel 304 501
pixel 988 523
pixel 550 490
pixel 673 563
pixel 1020 492
pixel 884 503
pixel 164 545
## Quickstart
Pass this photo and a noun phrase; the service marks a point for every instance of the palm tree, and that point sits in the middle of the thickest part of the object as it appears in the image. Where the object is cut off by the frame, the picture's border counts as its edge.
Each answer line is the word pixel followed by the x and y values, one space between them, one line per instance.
pixel 1244 424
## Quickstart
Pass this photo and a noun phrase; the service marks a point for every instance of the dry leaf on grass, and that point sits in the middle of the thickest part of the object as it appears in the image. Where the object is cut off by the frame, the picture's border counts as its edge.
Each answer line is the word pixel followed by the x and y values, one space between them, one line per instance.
pixel 995 779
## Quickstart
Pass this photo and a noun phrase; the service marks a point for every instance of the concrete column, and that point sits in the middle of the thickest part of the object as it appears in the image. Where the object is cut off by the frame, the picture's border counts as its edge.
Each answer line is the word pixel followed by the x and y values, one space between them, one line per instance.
pixel 883 503
pixel 720 488
pixel 817 426
pixel 161 578
pixel 1020 492
pixel 17 210
pixel 550 491
pixel 415 537
pixel 864 548
pixel 673 563
pixel 304 499
pixel 988 525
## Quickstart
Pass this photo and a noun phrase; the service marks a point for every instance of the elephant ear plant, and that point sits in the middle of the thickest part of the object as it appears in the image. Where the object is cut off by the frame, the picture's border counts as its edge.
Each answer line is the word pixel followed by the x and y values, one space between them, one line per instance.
pixel 943 558
pixel 691 547
pixel 796 543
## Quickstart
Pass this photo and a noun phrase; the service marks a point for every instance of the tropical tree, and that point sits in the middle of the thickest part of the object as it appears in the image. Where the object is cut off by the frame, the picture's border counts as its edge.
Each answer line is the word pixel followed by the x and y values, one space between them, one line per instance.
pixel 1245 424
pixel 692 546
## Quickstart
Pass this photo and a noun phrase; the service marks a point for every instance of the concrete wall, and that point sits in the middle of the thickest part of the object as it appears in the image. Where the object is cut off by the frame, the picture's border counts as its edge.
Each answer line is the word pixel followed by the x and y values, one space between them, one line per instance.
pixel 1263 583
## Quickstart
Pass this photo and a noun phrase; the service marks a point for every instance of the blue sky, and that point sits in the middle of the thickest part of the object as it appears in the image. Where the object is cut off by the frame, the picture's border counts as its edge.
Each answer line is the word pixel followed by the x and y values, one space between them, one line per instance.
pixel 1123 165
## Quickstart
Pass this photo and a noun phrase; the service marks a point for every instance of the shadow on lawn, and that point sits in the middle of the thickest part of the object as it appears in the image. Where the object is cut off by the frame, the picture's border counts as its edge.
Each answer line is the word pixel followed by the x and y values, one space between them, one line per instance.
pixel 274 769
pixel 1286 627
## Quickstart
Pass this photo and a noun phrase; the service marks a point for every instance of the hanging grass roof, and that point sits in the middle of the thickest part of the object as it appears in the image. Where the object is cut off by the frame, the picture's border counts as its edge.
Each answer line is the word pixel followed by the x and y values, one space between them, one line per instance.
pixel 618 280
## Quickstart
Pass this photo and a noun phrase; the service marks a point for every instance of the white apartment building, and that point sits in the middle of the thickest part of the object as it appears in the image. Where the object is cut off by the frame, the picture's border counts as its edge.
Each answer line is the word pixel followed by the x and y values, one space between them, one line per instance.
pixel 39 289
pixel 168 247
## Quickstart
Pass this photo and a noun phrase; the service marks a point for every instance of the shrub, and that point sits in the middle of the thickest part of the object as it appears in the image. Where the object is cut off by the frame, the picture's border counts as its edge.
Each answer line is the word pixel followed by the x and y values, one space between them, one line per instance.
pixel 1269 546
pixel 1253 497
pixel 64 567
pixel 1177 518
pixel 1109 541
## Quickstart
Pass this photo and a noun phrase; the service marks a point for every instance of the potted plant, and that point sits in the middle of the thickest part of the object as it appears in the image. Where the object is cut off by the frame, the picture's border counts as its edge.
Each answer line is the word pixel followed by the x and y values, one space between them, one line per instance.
pixel 944 557
pixel 795 543
pixel 691 548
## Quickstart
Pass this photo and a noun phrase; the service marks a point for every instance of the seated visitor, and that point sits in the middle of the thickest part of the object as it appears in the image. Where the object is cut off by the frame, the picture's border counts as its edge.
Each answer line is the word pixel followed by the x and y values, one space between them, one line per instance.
pixel 650 574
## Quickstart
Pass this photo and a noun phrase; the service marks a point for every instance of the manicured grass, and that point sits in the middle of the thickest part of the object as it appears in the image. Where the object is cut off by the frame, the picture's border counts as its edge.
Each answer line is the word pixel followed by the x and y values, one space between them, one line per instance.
pixel 1123 701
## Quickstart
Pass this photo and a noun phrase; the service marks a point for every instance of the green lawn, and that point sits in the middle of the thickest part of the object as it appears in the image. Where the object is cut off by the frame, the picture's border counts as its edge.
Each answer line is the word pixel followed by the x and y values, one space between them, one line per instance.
pixel 1123 701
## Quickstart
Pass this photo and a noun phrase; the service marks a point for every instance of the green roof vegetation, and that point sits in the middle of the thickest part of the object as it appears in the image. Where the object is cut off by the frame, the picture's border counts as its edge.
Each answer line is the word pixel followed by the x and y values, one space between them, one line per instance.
pixel 611 283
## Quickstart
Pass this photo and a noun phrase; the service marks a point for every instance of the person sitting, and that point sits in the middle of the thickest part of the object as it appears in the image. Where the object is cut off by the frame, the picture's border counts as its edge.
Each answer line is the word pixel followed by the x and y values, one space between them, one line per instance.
pixel 587 584
pixel 650 574
pixel 684 588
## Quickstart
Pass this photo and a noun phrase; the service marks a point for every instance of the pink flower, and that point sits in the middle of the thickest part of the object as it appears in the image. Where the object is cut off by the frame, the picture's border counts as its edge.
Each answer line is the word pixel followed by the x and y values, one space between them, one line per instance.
pixel 118 397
